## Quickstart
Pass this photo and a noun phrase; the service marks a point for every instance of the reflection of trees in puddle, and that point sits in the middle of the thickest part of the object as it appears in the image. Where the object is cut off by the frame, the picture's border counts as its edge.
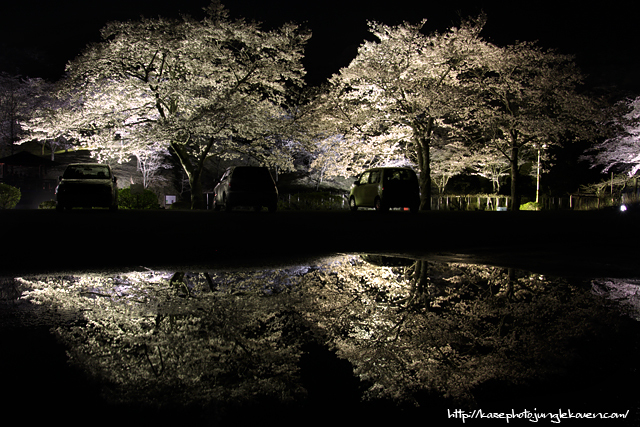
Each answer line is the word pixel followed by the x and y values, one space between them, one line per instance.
pixel 149 340
pixel 625 292
pixel 451 328
pixel 408 330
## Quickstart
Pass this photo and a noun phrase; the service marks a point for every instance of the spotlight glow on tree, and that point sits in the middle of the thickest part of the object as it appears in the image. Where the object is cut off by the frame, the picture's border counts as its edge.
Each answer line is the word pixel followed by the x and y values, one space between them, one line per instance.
pixel 213 87
pixel 407 89
pixel 623 150
pixel 527 96
pixel 406 84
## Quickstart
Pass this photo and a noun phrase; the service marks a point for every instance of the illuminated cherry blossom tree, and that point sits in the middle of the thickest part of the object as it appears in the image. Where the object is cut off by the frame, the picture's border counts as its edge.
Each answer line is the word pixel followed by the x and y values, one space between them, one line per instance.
pixel 18 97
pixel 406 88
pixel 69 118
pixel 447 161
pixel 403 87
pixel 336 156
pixel 200 88
pixel 623 150
pixel 328 159
pixel 529 96
pixel 489 163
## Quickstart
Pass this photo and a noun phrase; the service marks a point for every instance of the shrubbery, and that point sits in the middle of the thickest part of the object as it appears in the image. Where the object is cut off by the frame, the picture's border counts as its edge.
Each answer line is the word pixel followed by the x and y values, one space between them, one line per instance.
pixel 9 196
pixel 47 204
pixel 531 206
pixel 182 205
pixel 145 200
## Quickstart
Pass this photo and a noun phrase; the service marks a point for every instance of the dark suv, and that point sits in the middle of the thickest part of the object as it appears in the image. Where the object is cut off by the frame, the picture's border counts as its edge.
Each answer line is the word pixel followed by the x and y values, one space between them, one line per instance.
pixel 384 188
pixel 87 185
pixel 246 186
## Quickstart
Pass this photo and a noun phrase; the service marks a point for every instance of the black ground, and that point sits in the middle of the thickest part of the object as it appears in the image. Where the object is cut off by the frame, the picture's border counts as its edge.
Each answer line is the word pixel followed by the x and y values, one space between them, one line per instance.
pixel 568 243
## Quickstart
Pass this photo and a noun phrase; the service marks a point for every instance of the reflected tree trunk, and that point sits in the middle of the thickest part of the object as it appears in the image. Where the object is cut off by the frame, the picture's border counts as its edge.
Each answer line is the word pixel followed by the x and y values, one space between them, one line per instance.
pixel 178 282
pixel 423 290
pixel 512 279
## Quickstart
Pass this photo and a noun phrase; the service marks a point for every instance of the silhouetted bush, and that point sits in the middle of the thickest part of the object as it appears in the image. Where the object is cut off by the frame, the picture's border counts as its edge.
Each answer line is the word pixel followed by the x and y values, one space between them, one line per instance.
pixel 9 196
pixel 145 200
pixel 180 205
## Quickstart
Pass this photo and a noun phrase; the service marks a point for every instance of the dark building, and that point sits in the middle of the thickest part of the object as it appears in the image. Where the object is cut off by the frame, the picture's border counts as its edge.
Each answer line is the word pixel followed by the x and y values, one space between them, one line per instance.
pixel 28 172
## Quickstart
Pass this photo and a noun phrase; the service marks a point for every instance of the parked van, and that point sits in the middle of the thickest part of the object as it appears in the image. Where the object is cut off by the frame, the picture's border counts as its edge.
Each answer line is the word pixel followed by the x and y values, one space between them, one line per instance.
pixel 246 186
pixel 384 188
pixel 87 185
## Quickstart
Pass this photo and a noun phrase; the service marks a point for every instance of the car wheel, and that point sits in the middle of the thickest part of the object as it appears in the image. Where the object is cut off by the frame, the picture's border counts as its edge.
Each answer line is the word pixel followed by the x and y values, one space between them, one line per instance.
pixel 225 203
pixel 379 206
pixel 352 204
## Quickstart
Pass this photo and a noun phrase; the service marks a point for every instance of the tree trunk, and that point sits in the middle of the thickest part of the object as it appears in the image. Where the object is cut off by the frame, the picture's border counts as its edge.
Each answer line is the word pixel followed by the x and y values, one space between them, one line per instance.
pixel 422 139
pixel 425 187
pixel 194 173
pixel 423 291
pixel 420 285
pixel 515 195
pixel 197 197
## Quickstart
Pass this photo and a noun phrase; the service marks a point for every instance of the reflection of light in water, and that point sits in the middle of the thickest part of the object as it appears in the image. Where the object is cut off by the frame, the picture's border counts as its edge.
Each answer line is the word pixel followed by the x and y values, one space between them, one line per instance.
pixel 626 292
pixel 228 335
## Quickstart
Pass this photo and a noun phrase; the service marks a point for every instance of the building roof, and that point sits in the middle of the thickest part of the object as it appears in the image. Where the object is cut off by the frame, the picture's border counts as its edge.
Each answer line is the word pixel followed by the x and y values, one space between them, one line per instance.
pixel 24 158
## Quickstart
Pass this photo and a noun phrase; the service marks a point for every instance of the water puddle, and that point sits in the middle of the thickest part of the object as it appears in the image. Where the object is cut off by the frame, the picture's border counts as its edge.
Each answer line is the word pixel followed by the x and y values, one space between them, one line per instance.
pixel 370 332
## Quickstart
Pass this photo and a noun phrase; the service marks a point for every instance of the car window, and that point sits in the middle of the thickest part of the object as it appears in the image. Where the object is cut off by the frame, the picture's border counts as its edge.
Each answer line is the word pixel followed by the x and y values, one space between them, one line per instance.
pixel 398 175
pixel 87 172
pixel 364 178
pixel 251 174
pixel 375 177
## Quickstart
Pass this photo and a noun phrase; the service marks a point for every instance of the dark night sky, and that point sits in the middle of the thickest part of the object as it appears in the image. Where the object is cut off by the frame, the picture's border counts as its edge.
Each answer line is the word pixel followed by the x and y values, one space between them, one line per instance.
pixel 38 37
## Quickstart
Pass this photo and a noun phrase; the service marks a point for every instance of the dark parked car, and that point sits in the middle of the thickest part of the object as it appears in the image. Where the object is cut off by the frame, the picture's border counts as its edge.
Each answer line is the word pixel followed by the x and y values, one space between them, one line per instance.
pixel 384 188
pixel 246 186
pixel 87 185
